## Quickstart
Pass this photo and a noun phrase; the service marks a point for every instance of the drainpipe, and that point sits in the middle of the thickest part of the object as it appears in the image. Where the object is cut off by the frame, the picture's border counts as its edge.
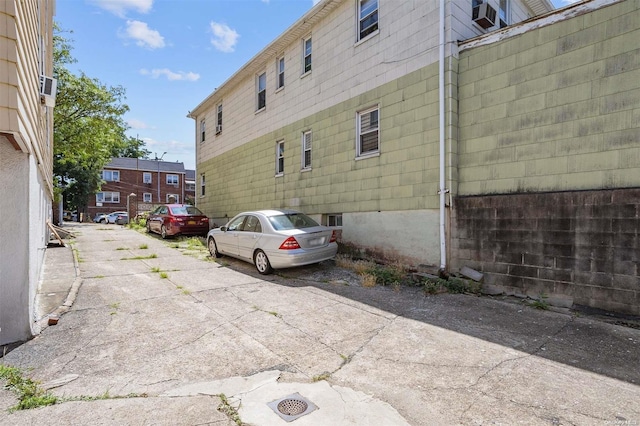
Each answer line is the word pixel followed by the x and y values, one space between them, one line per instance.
pixel 442 190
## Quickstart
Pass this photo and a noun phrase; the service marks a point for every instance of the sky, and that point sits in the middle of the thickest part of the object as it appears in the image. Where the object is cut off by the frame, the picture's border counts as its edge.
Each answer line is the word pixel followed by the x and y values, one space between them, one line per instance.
pixel 169 55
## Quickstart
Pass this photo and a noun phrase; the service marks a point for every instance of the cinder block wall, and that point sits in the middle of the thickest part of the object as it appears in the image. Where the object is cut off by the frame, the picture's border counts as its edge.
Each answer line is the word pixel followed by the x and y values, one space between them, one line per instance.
pixel 549 160
pixel 576 247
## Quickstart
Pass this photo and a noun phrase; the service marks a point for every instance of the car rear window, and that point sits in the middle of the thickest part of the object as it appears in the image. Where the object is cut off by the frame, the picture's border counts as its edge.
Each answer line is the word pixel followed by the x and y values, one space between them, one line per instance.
pixel 292 221
pixel 186 211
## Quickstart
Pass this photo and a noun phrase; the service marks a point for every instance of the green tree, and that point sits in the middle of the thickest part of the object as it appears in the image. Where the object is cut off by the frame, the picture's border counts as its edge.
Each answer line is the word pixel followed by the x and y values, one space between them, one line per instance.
pixel 89 128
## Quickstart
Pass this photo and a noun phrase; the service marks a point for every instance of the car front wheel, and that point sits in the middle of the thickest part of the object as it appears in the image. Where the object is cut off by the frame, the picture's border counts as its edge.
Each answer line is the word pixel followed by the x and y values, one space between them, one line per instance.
pixel 213 248
pixel 261 261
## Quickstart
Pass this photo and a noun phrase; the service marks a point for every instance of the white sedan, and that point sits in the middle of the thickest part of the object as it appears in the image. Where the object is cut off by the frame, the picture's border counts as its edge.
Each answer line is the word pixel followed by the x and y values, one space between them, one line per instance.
pixel 273 239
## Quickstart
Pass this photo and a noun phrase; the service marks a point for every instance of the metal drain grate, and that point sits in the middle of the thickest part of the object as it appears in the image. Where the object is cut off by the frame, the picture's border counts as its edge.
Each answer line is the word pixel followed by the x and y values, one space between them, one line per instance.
pixel 292 407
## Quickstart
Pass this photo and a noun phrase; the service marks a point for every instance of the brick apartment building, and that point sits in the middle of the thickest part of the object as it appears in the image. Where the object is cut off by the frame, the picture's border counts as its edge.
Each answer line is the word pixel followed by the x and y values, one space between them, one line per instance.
pixel 153 182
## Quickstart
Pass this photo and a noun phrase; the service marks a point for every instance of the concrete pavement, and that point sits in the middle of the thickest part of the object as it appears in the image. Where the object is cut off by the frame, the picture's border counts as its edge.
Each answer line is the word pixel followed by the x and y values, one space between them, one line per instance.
pixel 158 337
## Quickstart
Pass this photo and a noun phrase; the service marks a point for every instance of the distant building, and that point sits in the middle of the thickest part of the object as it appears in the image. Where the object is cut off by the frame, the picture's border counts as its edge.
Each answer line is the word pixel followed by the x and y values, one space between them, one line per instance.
pixel 26 158
pixel 153 182
pixel 190 187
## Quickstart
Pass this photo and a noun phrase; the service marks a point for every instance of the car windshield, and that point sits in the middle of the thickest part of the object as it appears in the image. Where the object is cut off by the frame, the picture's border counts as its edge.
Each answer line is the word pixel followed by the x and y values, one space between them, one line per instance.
pixel 186 211
pixel 292 221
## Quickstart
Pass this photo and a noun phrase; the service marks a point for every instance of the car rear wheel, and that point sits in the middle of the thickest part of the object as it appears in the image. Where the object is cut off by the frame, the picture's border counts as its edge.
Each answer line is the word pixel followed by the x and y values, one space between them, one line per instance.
pixel 163 232
pixel 261 261
pixel 105 221
pixel 213 248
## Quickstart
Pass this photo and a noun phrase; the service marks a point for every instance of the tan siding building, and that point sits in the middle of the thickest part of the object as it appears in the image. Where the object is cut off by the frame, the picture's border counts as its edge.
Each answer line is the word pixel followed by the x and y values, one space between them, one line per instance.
pixel 26 159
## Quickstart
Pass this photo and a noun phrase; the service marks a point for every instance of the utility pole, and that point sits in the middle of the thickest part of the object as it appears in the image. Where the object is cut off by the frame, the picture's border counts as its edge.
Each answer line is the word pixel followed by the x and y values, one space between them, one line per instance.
pixel 158 162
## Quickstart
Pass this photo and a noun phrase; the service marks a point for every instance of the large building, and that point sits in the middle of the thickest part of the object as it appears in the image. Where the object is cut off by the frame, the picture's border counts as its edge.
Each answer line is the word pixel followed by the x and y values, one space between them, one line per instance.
pixel 426 132
pixel 26 158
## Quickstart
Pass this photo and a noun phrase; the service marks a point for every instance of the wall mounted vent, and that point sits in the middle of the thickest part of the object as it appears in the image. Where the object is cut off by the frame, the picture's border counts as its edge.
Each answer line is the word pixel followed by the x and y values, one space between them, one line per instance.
pixel 484 15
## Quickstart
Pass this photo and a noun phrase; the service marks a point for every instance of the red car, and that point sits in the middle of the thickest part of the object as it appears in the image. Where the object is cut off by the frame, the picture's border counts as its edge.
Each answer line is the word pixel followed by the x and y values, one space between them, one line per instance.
pixel 177 219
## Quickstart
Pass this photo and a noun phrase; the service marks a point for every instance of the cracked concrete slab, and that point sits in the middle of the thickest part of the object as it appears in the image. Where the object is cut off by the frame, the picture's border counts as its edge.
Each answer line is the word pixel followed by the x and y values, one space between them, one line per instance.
pixel 336 405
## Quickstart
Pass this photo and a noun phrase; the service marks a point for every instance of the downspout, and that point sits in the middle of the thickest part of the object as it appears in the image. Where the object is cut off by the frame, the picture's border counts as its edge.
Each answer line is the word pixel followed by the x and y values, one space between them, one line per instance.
pixel 442 190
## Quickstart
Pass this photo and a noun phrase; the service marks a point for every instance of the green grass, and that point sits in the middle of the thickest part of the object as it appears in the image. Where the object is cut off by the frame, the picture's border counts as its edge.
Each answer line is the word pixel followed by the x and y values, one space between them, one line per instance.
pixel 151 256
pixel 122 248
pixel 155 269
pixel 164 275
pixel 143 246
pixel 226 408
pixel 28 392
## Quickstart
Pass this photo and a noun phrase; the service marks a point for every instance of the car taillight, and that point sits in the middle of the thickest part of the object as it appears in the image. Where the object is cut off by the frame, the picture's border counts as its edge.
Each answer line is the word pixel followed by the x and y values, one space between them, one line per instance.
pixel 289 244
pixel 333 237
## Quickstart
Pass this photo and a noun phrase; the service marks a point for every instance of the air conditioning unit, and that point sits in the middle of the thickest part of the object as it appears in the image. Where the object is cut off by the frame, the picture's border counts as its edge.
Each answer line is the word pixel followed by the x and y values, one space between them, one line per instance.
pixel 484 15
pixel 48 88
pixel 218 128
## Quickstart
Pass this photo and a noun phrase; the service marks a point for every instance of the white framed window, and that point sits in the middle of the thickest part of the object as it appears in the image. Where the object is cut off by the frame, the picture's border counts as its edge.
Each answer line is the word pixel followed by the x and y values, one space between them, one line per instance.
pixel 203 128
pixel 280 73
pixel 368 132
pixel 107 197
pixel 111 175
pixel 333 219
pixel 147 197
pixel 146 177
pixel 279 158
pixel 173 198
pixel 172 179
pixel 367 18
pixel 504 13
pixel 219 119
pixel 306 55
pixel 261 84
pixel 202 185
pixel 306 150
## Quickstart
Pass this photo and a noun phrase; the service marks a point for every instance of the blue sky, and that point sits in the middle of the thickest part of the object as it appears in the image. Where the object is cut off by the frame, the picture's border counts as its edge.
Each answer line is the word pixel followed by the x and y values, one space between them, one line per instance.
pixel 171 54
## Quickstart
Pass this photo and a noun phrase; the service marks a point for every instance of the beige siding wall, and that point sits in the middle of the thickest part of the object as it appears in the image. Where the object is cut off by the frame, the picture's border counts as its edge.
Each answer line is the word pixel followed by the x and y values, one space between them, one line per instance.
pixel 553 109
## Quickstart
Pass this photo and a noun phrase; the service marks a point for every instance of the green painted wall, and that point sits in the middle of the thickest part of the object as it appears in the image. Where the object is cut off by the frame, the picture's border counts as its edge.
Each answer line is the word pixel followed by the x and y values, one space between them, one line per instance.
pixel 556 108
pixel 403 177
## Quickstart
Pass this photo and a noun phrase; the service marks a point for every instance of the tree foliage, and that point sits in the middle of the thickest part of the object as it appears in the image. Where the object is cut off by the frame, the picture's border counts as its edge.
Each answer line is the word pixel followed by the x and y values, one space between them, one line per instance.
pixel 89 128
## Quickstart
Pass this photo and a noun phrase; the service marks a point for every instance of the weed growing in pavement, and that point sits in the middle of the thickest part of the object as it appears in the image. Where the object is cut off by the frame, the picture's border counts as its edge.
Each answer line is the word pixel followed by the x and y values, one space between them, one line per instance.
pixel 151 256
pixel 28 392
pixel 155 269
pixel 115 307
pixel 319 377
pixel 99 276
pixel 143 246
pixel 226 408
pixel 368 280
pixel 164 275
pixel 122 248
pixel 540 303
pixel 452 285
pixel 186 292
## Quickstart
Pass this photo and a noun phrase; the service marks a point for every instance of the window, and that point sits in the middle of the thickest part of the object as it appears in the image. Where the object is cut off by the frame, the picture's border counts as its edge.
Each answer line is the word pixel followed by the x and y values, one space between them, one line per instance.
pixel 173 198
pixel 279 158
pixel 172 179
pixel 202 130
pixel 368 18
pixel 111 175
pixel 306 150
pixel 146 177
pixel 504 13
pixel 333 219
pixel 219 120
pixel 280 73
pixel 147 197
pixel 368 132
pixel 202 187
pixel 252 224
pixel 262 91
pixel 306 53
pixel 107 197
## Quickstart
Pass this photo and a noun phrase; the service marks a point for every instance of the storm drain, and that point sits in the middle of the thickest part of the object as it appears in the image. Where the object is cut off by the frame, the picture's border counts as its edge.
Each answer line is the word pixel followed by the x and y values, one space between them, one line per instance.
pixel 292 407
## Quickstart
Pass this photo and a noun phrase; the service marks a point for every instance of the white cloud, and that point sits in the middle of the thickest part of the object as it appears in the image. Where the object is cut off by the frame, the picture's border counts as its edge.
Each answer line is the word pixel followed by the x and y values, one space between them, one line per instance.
pixel 143 35
pixel 137 124
pixel 120 7
pixel 224 38
pixel 171 75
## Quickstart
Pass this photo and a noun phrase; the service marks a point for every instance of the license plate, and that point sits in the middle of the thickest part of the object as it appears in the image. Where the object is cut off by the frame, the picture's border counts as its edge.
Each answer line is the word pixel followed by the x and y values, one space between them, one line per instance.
pixel 316 242
pixel 191 222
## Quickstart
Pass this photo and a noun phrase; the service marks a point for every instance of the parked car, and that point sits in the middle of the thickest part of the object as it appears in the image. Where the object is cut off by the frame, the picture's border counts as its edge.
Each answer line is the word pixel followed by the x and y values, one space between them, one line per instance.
pixel 98 217
pixel 122 219
pixel 177 219
pixel 273 239
pixel 70 216
pixel 108 217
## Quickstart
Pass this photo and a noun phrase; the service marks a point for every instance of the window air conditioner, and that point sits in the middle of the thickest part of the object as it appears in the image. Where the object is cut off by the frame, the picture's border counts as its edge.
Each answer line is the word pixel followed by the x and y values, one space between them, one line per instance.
pixel 48 88
pixel 484 15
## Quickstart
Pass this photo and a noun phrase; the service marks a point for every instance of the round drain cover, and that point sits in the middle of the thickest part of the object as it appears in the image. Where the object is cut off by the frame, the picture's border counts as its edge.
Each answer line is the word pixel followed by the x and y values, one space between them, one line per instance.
pixel 292 407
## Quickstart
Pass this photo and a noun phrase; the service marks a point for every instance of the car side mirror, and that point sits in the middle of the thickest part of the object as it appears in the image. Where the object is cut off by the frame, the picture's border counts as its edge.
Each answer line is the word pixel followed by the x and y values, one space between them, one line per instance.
pixel 223 228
